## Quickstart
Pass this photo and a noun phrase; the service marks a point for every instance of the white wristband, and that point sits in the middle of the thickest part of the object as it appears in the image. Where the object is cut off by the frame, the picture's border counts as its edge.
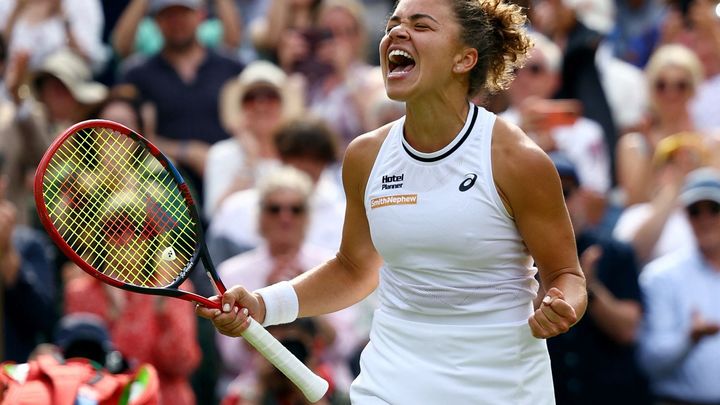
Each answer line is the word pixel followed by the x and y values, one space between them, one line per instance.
pixel 281 303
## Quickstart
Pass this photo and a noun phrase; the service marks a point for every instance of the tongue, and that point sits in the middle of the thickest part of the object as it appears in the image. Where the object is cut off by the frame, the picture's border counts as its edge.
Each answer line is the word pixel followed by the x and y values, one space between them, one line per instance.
pixel 405 68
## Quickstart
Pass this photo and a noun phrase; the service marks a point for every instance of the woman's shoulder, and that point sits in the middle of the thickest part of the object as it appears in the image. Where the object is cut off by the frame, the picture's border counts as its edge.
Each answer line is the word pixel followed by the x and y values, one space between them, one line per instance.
pixel 365 147
pixel 521 170
pixel 512 149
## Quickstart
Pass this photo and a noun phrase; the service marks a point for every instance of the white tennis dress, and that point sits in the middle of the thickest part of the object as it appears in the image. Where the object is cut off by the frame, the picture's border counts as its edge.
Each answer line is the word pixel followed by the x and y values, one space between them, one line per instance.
pixel 457 284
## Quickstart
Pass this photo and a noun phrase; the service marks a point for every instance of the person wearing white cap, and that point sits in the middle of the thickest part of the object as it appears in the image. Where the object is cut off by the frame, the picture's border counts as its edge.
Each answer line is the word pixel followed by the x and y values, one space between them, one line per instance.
pixel 69 70
pixel 252 108
pixel 680 339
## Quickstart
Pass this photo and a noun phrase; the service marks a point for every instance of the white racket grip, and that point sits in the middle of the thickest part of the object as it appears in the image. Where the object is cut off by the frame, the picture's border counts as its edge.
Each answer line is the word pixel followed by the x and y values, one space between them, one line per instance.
pixel 312 385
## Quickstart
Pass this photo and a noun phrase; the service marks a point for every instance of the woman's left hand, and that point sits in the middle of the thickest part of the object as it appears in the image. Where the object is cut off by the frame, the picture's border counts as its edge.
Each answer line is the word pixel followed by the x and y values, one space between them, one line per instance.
pixel 553 317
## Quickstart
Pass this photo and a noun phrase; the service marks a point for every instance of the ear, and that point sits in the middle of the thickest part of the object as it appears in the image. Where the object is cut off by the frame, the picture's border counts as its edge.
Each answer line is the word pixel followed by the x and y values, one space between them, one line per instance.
pixel 465 61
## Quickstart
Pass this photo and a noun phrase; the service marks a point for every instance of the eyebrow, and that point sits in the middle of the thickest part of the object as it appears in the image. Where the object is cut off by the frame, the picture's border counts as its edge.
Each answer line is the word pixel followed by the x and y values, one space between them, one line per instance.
pixel 414 17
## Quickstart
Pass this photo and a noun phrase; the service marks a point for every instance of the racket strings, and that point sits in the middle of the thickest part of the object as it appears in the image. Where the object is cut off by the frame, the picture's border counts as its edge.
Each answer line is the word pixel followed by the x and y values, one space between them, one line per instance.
pixel 116 206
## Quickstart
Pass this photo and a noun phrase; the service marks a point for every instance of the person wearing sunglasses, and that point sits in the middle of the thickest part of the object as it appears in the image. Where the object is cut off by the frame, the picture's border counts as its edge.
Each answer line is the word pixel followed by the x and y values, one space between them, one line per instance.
pixel 284 252
pixel 672 77
pixel 308 144
pixel 253 107
pixel 558 125
pixel 680 339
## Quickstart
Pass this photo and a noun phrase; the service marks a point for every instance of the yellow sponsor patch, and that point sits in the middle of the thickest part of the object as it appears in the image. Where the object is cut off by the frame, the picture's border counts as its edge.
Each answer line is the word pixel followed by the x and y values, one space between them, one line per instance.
pixel 400 199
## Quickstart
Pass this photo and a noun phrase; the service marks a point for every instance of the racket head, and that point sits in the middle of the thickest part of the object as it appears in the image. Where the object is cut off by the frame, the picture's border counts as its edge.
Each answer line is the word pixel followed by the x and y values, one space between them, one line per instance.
pixel 118 208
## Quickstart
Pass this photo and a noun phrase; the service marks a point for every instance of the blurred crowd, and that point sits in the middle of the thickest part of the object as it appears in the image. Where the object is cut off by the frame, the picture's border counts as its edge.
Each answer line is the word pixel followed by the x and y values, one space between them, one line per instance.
pixel 256 100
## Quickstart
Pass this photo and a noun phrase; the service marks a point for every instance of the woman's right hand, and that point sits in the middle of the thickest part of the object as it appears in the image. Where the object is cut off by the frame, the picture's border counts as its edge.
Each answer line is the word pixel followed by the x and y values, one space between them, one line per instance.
pixel 238 305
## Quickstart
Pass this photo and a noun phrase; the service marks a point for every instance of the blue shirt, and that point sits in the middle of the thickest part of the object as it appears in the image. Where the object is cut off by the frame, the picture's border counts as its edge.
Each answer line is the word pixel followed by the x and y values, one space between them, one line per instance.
pixel 186 110
pixel 675 286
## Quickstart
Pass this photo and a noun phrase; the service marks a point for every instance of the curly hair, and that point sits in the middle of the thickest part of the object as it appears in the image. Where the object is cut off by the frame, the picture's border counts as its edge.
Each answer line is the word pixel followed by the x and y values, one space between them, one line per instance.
pixel 497 30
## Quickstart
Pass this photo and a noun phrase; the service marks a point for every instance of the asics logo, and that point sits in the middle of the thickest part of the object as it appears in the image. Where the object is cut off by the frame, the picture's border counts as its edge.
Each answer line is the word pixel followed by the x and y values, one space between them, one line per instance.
pixel 468 182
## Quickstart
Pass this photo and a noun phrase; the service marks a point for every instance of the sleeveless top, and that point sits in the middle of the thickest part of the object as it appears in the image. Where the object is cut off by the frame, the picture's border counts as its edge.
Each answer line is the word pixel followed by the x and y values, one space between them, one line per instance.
pixel 452 253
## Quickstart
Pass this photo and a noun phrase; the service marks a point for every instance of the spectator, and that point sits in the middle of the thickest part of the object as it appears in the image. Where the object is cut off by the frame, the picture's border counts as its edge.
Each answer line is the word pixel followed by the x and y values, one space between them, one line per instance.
pixel 144 329
pixel 338 95
pixel 601 82
pixel 137 34
pixel 66 90
pixel 44 27
pixel 579 138
pixel 86 336
pixel 27 284
pixel 284 197
pixel 255 105
pixel 183 82
pixel 269 31
pixel 594 362
pixel 306 144
pixel 22 140
pixel 672 77
pixel 680 344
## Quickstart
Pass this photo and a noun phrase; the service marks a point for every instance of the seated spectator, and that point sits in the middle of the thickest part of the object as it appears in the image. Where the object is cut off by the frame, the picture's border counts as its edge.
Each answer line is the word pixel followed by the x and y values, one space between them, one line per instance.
pixel 183 83
pixel 679 342
pixel 594 363
pixel 337 96
pixel 270 31
pixel 44 27
pixel 558 125
pixel 64 86
pixel 672 77
pixel 284 197
pixel 137 34
pixel 604 85
pixel 145 329
pixel 306 144
pixel 22 138
pixel 27 282
pixel 531 108
pixel 86 336
pixel 254 107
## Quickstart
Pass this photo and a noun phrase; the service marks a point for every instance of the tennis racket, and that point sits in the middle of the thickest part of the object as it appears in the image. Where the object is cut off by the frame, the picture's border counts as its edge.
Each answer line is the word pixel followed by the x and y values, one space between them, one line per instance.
pixel 118 208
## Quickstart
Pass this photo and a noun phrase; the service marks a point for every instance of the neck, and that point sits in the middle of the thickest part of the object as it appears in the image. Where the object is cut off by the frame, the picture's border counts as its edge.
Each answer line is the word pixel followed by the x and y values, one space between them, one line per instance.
pixel 266 148
pixel 283 249
pixel 185 60
pixel 431 126
pixel 712 257
pixel 671 123
pixel 183 54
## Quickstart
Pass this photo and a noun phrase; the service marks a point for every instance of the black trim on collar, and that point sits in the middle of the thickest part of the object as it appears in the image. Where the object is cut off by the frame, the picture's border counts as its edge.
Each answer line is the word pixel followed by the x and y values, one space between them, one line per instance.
pixel 453 149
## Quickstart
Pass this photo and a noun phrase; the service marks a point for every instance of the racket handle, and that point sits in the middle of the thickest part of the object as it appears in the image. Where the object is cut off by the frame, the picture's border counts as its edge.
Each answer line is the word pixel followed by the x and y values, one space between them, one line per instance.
pixel 312 385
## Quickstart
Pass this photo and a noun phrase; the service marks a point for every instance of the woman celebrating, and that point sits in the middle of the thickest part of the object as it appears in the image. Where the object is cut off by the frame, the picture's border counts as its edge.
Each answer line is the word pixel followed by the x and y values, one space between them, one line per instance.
pixel 455 205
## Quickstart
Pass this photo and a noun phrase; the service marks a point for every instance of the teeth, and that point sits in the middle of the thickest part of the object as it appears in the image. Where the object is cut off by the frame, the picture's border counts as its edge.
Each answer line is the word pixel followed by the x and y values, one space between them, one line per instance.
pixel 398 52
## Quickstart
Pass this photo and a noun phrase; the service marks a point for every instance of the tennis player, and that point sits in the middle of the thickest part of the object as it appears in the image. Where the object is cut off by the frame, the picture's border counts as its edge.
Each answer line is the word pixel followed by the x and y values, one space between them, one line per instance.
pixel 449 210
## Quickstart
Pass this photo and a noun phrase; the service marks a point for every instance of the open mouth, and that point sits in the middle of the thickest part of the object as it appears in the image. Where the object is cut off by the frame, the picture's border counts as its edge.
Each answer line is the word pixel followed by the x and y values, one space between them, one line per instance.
pixel 400 61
